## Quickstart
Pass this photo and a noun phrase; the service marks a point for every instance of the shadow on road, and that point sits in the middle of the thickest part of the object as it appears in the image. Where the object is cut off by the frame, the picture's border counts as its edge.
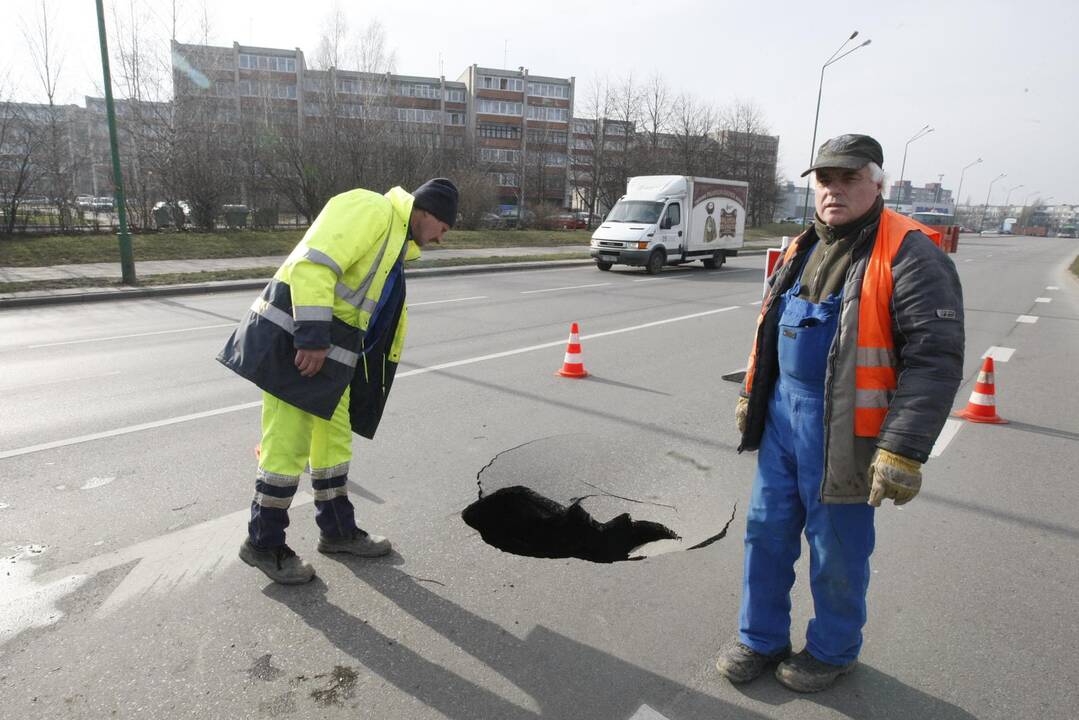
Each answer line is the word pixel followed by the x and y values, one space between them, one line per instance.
pixel 562 677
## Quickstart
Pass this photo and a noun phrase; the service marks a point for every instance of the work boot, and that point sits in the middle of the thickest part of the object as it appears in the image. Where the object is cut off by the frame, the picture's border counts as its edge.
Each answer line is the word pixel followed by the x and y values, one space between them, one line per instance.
pixel 806 674
pixel 740 663
pixel 358 542
pixel 280 564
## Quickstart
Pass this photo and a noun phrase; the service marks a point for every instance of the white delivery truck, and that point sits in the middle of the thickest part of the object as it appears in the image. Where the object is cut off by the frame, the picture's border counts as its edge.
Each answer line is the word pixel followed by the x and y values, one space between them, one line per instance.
pixel 673 219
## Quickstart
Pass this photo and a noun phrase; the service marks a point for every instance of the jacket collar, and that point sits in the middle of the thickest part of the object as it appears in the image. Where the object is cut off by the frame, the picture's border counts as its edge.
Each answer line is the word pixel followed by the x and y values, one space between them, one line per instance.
pixel 401 202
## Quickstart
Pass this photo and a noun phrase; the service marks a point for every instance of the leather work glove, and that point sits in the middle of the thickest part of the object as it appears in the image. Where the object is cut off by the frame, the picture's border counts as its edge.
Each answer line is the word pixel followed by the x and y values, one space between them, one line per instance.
pixel 741 411
pixel 894 476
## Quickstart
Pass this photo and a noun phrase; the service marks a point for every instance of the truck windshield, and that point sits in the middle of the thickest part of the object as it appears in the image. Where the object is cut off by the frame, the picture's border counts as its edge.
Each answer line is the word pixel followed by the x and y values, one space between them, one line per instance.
pixel 635 211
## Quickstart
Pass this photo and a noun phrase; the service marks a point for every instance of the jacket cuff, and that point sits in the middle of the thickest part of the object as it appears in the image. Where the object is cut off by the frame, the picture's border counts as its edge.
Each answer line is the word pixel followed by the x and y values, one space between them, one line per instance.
pixel 904 450
pixel 311 335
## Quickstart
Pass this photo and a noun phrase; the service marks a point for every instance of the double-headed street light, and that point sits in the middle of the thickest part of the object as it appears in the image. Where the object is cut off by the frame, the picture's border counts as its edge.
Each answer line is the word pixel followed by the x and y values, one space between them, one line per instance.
pixel 981 225
pixel 1008 197
pixel 959 192
pixel 917 136
pixel 836 57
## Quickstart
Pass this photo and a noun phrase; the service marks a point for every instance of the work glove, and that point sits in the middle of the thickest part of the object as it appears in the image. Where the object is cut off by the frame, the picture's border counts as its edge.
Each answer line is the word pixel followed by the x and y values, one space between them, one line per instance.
pixel 741 411
pixel 893 476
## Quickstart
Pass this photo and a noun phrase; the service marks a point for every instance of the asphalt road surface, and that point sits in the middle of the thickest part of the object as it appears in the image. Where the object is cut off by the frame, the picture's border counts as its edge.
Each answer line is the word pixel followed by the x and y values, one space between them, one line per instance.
pixel 127 464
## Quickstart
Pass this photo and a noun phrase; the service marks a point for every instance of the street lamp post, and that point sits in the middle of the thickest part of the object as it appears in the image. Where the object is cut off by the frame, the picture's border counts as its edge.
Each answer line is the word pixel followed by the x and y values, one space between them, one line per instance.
pixel 981 225
pixel 918 135
pixel 959 192
pixel 1008 197
pixel 816 118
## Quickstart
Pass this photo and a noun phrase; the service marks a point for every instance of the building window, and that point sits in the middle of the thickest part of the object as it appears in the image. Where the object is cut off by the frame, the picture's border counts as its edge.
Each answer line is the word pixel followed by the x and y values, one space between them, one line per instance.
pixel 224 88
pixel 498 155
pixel 505 179
pixel 417 115
pixel 455 118
pixel 455 95
pixel 419 90
pixel 548 114
pixel 267 62
pixel 547 137
pixel 548 90
pixel 507 132
pixel 499 107
pixel 489 82
pixel 554 160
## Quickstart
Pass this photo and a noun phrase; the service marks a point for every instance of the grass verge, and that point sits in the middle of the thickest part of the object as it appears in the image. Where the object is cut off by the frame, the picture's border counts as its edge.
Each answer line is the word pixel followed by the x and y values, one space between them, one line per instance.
pixel 249 274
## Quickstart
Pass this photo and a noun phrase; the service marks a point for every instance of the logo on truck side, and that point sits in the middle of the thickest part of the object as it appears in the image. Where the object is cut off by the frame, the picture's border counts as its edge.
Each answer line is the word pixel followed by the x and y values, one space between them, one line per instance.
pixel 728 223
pixel 710 223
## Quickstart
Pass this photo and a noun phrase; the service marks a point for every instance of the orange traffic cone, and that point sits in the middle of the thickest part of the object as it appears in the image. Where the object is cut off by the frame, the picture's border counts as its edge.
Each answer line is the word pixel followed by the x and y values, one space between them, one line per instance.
pixel 982 407
pixel 573 365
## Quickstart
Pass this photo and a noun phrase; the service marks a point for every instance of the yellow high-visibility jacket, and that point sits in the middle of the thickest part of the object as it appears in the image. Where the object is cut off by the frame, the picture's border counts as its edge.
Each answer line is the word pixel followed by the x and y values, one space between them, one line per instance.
pixel 323 296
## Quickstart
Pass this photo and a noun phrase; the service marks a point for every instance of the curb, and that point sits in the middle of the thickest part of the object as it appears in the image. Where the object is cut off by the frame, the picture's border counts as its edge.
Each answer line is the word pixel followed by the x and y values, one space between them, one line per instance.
pixel 62 297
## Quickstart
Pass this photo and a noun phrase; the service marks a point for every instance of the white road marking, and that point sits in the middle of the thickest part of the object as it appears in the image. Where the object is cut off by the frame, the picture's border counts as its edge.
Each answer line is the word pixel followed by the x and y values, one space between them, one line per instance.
pixel 1031 319
pixel 418 371
pixel 166 564
pixel 96 482
pixel 999 354
pixel 1052 287
pixel 135 335
pixel 439 302
pixel 556 343
pixel 947 434
pixel 646 713
pixel 26 604
pixel 652 279
pixel 125 430
pixel 568 287
pixel 968 260
pixel 757 303
pixel 1043 299
pixel 61 380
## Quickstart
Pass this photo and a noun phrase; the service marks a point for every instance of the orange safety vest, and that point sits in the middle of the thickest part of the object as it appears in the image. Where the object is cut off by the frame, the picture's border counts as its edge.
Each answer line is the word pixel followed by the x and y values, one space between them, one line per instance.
pixel 875 376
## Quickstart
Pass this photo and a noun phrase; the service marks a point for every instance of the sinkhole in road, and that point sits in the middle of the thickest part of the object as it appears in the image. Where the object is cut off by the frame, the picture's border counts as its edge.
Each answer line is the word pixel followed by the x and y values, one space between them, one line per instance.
pixel 533 502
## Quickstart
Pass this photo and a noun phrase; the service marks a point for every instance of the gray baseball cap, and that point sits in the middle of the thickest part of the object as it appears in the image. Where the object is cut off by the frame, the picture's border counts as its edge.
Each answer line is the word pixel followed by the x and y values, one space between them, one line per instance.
pixel 851 152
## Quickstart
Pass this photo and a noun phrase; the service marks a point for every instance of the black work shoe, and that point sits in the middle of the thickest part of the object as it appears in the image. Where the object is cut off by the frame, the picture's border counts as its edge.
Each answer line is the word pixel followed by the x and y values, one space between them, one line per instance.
pixel 740 663
pixel 280 564
pixel 806 674
pixel 358 542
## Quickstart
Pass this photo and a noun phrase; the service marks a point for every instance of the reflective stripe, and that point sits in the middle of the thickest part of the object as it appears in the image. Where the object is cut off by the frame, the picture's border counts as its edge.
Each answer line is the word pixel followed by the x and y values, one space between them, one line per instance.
pixel 316 313
pixel 982 399
pixel 356 297
pixel 320 258
pixel 985 378
pixel 341 355
pixel 870 398
pixel 876 357
pixel 573 358
pixel 275 315
pixel 325 473
pixel 277 480
pixel 268 501
pixel 284 321
pixel 330 493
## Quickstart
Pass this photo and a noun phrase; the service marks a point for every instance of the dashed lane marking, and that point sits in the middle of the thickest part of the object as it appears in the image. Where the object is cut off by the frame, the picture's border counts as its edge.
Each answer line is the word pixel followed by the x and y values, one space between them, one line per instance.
pixel 947 434
pixel 133 335
pixel 999 354
pixel 1030 319
pixel 567 287
pixel 439 302
pixel 1043 299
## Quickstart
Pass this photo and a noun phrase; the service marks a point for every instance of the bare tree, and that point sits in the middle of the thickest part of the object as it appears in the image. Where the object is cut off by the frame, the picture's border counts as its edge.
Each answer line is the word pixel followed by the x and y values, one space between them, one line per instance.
pixel 333 46
pixel 57 157
pixel 373 51
pixel 590 147
pixel 20 136
pixel 655 121
pixel 692 123
pixel 747 152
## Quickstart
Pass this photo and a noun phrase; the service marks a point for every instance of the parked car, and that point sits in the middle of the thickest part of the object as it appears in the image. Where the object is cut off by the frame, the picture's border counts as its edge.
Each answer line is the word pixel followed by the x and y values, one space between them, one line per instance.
pixel 565 221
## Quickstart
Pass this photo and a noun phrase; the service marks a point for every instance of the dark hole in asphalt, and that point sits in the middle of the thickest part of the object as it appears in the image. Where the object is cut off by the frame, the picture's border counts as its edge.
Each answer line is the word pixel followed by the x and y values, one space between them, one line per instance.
pixel 520 521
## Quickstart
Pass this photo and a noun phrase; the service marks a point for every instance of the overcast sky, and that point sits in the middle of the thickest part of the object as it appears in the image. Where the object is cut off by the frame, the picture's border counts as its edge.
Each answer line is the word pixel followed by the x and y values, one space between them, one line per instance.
pixel 996 79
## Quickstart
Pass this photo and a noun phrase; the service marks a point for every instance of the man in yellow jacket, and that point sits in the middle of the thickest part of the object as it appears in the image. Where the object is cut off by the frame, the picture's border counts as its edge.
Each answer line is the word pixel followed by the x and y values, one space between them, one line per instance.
pixel 323 341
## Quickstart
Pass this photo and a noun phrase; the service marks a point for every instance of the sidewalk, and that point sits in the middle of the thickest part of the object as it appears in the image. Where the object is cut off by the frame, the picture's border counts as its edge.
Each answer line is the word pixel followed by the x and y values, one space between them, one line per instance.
pixel 111 272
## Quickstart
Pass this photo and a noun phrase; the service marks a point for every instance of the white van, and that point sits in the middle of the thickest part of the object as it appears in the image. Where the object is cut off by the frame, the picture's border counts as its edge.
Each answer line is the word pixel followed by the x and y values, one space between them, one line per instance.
pixel 673 219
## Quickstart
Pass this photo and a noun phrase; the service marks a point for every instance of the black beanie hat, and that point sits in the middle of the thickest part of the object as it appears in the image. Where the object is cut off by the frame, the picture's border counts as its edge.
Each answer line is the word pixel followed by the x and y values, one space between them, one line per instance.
pixel 438 197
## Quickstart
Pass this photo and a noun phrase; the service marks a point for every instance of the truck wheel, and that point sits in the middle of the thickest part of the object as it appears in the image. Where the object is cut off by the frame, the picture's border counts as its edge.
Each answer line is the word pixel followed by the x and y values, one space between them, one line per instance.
pixel 716 261
pixel 604 265
pixel 655 262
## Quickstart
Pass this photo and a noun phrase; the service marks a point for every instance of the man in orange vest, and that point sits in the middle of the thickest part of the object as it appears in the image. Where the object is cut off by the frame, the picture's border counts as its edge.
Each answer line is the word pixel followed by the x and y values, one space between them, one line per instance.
pixel 856 362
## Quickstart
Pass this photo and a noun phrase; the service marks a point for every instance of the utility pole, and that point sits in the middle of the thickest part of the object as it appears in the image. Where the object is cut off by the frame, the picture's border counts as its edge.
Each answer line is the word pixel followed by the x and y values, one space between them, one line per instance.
pixel 127 258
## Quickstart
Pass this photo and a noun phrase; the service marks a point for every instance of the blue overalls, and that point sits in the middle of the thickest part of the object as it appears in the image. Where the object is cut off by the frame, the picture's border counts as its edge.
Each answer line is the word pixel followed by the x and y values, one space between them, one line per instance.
pixel 787 499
